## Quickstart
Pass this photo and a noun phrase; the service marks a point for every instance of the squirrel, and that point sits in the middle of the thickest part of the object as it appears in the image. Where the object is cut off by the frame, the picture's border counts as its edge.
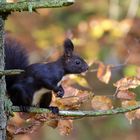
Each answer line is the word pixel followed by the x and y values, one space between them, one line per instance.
pixel 34 86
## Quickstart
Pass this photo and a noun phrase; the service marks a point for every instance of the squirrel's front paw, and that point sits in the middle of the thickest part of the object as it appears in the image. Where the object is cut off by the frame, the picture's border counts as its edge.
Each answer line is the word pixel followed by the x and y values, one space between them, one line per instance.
pixel 60 93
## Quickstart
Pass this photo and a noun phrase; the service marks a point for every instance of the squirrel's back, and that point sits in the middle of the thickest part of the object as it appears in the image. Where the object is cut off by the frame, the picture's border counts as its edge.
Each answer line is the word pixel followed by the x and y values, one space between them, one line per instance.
pixel 16 57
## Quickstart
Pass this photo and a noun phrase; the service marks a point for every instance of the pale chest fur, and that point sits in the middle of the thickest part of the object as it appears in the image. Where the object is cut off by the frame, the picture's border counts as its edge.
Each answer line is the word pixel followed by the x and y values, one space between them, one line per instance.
pixel 37 96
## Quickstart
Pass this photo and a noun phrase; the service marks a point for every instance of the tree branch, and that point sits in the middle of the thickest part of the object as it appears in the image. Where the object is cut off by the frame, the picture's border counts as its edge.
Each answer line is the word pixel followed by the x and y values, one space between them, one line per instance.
pixel 11 72
pixel 82 113
pixel 33 5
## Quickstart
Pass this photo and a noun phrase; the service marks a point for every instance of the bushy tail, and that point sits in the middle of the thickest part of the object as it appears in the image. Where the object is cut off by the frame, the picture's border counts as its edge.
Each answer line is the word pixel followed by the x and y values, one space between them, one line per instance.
pixel 15 58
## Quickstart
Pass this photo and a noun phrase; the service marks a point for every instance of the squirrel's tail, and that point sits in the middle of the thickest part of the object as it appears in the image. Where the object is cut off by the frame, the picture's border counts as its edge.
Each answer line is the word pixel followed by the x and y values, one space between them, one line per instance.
pixel 16 57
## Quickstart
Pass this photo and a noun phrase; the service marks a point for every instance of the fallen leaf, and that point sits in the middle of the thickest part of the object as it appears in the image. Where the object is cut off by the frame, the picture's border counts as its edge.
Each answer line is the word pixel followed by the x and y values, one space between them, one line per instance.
pixel 126 95
pixel 101 103
pixel 127 83
pixel 104 73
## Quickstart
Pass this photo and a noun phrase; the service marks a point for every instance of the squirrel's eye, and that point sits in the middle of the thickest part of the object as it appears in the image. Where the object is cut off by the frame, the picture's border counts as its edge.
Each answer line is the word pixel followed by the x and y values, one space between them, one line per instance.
pixel 77 61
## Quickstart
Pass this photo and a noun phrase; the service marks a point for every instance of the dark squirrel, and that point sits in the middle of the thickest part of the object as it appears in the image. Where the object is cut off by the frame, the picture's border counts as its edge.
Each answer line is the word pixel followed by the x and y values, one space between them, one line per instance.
pixel 34 86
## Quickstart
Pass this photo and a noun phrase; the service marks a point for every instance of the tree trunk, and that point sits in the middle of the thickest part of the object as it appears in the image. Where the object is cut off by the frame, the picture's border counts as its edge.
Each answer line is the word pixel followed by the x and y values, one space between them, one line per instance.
pixel 3 118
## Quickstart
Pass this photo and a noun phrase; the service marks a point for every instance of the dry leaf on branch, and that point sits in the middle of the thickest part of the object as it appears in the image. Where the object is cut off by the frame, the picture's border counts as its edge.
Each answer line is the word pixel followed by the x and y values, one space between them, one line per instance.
pixel 72 99
pixel 101 103
pixel 52 123
pixel 126 95
pixel 127 83
pixel 104 73
pixel 29 128
pixel 49 118
pixel 129 115
pixel 65 127
pixel 46 117
pixel 137 114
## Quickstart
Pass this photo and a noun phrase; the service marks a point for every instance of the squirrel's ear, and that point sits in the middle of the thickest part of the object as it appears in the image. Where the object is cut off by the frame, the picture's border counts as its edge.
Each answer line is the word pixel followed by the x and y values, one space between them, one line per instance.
pixel 68 47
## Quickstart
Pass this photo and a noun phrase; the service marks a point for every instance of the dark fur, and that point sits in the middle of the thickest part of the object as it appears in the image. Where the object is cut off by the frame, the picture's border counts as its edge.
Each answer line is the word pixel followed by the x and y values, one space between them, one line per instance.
pixel 39 75
pixel 16 58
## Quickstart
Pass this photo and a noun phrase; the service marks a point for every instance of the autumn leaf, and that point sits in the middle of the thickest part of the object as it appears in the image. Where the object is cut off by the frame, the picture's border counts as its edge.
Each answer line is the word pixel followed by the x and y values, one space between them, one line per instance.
pixel 68 103
pixel 65 127
pixel 45 117
pixel 126 95
pixel 52 123
pixel 70 91
pixel 72 99
pixel 101 103
pixel 29 128
pixel 137 114
pixel 73 102
pixel 104 73
pixel 49 118
pixel 127 83
pixel 129 115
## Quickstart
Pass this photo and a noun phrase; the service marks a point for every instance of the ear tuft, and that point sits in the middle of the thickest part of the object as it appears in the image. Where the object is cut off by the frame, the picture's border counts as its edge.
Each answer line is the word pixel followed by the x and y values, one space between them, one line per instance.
pixel 68 47
pixel 68 44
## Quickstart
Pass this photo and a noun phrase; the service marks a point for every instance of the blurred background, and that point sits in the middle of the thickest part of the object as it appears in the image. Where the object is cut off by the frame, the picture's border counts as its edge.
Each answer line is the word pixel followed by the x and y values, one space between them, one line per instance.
pixel 105 30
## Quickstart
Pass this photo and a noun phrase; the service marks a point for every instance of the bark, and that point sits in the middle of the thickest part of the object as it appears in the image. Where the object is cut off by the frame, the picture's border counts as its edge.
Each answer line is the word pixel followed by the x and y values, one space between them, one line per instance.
pixel 79 113
pixel 3 119
pixel 33 5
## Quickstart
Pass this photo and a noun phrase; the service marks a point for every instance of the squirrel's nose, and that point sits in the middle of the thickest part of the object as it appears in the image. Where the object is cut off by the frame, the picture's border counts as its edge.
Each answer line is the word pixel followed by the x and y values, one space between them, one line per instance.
pixel 86 67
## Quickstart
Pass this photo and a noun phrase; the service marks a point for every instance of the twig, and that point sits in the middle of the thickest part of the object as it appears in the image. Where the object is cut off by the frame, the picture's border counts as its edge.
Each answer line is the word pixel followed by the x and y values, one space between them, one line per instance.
pixel 90 113
pixel 11 72
pixel 24 5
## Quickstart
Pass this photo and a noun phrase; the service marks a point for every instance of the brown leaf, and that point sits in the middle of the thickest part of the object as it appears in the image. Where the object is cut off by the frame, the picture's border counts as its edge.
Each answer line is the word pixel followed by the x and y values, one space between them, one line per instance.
pixel 129 115
pixel 129 103
pixel 72 102
pixel 45 117
pixel 68 103
pixel 52 123
pixel 126 95
pixel 137 114
pixel 104 73
pixel 127 83
pixel 84 96
pixel 70 91
pixel 72 99
pixel 29 128
pixel 101 103
pixel 65 127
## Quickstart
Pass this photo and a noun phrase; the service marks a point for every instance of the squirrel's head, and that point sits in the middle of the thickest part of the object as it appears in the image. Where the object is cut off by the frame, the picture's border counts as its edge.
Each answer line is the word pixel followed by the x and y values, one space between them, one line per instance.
pixel 72 63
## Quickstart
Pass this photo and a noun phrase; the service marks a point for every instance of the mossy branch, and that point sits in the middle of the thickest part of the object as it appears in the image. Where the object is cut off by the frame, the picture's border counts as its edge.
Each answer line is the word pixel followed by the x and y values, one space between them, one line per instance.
pixel 29 5
pixel 82 113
